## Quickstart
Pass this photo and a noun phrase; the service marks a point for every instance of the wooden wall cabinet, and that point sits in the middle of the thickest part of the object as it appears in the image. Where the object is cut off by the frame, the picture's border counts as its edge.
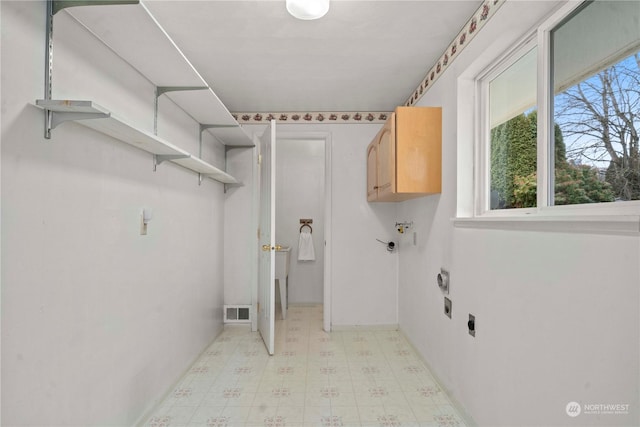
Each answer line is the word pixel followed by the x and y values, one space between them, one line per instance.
pixel 404 160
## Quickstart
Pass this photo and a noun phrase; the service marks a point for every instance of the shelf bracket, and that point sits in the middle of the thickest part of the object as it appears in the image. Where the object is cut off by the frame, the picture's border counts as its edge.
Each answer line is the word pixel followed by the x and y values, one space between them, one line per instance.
pixel 159 158
pixel 58 5
pixel 212 126
pixel 227 186
pixel 55 118
pixel 160 90
pixel 228 148
pixel 231 147
pixel 205 127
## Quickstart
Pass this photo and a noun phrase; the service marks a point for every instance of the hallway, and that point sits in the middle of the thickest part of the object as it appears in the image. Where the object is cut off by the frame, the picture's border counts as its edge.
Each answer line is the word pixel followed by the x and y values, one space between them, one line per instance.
pixel 347 378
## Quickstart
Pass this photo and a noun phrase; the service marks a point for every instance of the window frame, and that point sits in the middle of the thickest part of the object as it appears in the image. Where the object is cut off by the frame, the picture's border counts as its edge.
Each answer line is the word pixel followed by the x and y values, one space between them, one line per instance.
pixel 483 142
pixel 540 37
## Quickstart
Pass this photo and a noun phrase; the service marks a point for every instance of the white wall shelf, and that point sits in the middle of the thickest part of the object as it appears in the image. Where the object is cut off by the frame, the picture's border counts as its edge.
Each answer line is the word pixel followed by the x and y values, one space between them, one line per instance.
pixel 133 33
pixel 100 119
pixel 130 30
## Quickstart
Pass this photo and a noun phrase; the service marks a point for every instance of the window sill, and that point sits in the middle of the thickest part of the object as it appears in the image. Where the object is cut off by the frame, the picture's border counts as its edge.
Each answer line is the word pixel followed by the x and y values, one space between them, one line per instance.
pixel 626 225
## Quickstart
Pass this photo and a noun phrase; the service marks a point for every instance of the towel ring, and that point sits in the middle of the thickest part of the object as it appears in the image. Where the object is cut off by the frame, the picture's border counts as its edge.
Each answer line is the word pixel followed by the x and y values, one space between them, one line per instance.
pixel 306 225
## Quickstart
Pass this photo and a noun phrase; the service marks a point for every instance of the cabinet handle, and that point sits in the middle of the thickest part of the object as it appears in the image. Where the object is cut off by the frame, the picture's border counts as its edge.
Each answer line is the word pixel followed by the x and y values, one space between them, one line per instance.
pixel 376 187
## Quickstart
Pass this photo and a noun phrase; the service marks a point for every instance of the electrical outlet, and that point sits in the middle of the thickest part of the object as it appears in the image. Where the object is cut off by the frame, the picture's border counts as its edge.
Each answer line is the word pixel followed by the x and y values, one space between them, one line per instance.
pixel 471 324
pixel 447 307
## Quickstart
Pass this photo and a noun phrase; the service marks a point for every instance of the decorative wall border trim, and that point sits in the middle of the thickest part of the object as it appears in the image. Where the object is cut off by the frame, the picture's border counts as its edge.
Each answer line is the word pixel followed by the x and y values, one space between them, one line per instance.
pixel 464 37
pixel 344 117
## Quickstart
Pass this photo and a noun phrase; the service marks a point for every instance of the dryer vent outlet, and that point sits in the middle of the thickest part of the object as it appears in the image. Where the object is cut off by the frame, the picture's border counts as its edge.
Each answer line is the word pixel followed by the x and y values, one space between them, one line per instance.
pixel 443 281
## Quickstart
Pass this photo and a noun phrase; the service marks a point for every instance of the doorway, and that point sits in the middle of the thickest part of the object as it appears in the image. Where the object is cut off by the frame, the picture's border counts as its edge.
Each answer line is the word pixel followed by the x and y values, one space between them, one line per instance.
pixel 303 192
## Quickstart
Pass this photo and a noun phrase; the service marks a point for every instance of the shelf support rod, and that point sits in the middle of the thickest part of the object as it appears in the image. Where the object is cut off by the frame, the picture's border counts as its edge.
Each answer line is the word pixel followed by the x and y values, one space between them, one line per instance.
pixel 48 68
pixel 159 158
pixel 160 90
pixel 200 152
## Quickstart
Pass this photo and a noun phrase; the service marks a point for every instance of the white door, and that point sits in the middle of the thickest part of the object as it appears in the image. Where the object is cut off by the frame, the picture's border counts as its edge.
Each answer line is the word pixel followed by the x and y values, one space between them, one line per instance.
pixel 267 238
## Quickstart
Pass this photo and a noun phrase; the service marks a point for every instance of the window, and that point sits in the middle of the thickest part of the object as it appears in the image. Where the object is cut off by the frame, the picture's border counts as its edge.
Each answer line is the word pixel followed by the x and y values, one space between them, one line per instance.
pixel 596 104
pixel 512 132
pixel 578 141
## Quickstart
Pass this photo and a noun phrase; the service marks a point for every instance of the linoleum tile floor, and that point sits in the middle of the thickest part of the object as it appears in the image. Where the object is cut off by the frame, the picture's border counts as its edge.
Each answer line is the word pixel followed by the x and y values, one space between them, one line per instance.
pixel 352 378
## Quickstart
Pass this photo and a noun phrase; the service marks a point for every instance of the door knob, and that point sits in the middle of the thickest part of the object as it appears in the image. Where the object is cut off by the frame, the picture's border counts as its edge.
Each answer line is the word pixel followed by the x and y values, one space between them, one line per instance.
pixel 269 248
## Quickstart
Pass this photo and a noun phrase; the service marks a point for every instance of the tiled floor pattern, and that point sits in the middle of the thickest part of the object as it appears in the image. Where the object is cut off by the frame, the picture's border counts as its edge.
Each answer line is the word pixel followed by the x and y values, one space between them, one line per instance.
pixel 354 378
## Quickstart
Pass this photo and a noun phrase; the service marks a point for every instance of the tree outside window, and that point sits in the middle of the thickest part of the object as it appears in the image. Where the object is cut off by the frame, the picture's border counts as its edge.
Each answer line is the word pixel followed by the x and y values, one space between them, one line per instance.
pixel 600 120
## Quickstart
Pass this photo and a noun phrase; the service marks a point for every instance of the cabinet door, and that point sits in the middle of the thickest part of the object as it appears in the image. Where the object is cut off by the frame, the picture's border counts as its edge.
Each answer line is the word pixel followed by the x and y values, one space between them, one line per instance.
pixel 387 158
pixel 418 151
pixel 372 171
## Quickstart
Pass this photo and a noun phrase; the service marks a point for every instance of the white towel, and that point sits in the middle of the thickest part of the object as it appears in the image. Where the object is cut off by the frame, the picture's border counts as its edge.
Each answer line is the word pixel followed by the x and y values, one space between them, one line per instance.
pixel 305 247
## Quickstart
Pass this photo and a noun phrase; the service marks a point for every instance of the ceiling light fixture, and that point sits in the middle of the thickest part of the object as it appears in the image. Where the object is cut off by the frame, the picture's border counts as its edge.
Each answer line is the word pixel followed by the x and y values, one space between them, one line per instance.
pixel 308 9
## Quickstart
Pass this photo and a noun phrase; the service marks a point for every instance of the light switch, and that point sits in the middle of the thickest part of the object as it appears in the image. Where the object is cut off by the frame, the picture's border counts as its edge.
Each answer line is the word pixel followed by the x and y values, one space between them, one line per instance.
pixel 145 218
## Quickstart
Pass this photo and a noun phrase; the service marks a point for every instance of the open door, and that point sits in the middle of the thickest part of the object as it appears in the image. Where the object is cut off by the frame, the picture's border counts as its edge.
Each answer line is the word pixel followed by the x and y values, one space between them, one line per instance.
pixel 267 238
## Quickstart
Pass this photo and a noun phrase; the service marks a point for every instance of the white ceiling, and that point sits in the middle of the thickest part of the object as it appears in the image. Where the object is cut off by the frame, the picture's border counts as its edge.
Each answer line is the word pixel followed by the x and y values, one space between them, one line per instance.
pixel 362 56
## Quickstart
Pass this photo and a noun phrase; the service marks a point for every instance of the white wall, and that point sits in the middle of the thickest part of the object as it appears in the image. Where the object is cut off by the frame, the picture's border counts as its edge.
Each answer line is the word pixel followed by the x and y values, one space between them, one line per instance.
pixel 557 314
pixel 97 321
pixel 300 194
pixel 364 274
pixel 240 229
